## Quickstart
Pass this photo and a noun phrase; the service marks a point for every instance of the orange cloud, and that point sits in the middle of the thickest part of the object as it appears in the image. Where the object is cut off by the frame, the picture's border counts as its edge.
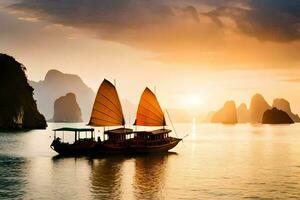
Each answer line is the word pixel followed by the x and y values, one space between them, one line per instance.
pixel 215 34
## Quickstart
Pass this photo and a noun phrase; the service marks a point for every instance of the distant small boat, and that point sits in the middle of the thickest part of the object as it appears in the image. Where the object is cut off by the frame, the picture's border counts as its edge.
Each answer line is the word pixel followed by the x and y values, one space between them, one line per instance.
pixel 150 114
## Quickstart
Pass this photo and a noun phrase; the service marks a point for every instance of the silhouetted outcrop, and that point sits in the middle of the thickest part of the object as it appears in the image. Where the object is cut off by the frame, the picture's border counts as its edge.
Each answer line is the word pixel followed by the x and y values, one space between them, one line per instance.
pixel 257 108
pixel 209 116
pixel 227 114
pixel 243 114
pixel 275 116
pixel 66 109
pixel 284 105
pixel 57 84
pixel 17 107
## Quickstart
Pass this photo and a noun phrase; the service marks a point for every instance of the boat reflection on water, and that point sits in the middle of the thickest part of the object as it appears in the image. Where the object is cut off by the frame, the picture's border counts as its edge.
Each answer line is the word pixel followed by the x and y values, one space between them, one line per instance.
pixel 106 177
pixel 117 177
pixel 149 178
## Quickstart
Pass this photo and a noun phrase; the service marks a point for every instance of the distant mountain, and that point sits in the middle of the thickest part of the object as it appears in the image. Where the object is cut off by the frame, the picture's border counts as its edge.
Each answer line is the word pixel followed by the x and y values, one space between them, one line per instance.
pixel 57 84
pixel 243 114
pixel 275 116
pixel 209 117
pixel 18 109
pixel 66 109
pixel 257 108
pixel 284 105
pixel 226 115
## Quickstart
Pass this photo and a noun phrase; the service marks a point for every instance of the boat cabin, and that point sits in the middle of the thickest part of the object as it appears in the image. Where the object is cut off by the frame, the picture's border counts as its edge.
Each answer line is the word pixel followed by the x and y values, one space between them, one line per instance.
pixel 118 135
pixel 78 132
pixel 156 135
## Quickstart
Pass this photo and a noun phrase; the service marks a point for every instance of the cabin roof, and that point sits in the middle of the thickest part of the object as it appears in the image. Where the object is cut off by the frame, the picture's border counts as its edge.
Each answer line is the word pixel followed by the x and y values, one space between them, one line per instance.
pixel 155 132
pixel 119 131
pixel 74 129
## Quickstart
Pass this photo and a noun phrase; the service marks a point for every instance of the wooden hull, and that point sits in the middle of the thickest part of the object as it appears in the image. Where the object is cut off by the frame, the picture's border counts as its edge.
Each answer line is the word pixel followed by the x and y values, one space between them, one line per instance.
pixel 109 148
pixel 79 148
pixel 146 148
pixel 104 148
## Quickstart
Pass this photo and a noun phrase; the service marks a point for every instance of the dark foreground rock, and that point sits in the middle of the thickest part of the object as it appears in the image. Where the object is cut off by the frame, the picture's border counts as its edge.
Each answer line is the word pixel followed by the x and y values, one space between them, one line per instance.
pixel 66 109
pixel 18 109
pixel 275 116
pixel 284 105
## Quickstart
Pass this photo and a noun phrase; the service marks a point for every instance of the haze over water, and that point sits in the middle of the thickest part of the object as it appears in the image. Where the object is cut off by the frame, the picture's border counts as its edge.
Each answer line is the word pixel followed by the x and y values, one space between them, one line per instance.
pixel 214 162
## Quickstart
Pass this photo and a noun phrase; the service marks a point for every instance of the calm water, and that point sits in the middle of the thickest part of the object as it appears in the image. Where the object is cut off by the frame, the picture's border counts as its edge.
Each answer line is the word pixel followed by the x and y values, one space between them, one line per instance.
pixel 214 162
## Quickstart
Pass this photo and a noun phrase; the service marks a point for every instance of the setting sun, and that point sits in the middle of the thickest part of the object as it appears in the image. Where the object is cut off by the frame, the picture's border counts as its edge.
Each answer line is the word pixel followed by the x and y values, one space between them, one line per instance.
pixel 192 101
pixel 149 99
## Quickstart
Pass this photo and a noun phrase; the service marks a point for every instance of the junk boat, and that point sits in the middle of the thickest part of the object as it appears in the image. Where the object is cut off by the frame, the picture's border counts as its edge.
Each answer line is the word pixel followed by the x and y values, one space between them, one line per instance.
pixel 81 145
pixel 107 112
pixel 150 114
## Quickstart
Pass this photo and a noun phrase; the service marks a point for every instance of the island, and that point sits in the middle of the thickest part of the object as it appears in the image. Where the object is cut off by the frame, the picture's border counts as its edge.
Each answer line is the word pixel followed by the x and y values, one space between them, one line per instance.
pixel 47 91
pixel 284 105
pixel 66 109
pixel 243 114
pixel 226 115
pixel 258 106
pixel 276 116
pixel 18 109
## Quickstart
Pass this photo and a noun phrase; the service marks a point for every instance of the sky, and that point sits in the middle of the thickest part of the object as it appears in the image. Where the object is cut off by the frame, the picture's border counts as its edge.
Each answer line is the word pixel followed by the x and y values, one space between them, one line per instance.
pixel 196 53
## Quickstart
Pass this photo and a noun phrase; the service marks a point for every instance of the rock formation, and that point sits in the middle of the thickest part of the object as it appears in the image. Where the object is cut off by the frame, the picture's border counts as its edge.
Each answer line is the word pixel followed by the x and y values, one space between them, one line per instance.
pixel 275 116
pixel 257 108
pixel 57 84
pixel 18 109
pixel 284 105
pixel 227 114
pixel 243 114
pixel 209 116
pixel 66 109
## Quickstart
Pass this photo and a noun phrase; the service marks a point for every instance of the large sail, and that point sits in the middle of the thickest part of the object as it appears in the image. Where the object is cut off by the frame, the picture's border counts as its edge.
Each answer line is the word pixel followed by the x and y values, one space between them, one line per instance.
pixel 149 111
pixel 107 109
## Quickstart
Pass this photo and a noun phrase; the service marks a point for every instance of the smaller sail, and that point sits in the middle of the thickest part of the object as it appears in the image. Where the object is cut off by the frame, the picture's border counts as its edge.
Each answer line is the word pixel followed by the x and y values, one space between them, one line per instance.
pixel 149 111
pixel 107 109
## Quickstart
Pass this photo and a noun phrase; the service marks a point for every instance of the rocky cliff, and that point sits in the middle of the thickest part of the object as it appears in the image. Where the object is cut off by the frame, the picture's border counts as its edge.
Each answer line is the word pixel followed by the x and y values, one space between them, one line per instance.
pixel 66 109
pixel 275 116
pixel 18 109
pixel 57 84
pixel 284 105
pixel 257 108
pixel 243 114
pixel 226 115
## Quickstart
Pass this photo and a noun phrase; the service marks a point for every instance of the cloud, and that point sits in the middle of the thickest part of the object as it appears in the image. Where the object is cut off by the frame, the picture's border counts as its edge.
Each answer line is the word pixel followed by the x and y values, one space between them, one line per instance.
pixel 293 80
pixel 193 32
pixel 275 20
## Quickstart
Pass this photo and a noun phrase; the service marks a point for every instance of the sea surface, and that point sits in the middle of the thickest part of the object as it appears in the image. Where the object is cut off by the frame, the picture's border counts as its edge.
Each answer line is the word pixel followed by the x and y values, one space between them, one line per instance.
pixel 213 162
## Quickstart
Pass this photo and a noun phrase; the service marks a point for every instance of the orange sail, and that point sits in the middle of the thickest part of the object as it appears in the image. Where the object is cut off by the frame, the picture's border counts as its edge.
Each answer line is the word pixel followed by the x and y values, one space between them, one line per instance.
pixel 149 111
pixel 107 109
